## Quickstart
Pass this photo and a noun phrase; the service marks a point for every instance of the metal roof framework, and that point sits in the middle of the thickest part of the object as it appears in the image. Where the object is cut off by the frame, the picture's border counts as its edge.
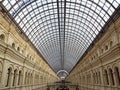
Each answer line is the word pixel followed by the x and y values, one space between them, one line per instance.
pixel 61 30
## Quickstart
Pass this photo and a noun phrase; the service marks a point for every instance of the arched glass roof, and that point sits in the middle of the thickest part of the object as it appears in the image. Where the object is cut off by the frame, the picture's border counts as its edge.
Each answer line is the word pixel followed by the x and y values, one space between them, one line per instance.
pixel 61 30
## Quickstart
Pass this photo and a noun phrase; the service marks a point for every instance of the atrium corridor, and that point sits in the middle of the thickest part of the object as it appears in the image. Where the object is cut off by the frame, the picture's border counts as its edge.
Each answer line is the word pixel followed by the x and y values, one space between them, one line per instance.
pixel 59 44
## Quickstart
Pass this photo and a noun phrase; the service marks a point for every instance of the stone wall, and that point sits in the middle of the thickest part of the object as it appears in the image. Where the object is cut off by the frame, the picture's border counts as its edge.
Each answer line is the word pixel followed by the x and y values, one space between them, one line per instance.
pixel 21 67
pixel 100 68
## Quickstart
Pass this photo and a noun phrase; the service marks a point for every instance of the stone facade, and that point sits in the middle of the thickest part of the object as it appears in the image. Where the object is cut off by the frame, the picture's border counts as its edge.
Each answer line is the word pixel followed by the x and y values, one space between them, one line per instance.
pixel 21 67
pixel 100 68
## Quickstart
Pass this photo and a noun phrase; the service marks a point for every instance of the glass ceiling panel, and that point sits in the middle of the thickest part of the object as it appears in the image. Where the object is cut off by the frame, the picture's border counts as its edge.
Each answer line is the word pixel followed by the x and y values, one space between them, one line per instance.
pixel 61 30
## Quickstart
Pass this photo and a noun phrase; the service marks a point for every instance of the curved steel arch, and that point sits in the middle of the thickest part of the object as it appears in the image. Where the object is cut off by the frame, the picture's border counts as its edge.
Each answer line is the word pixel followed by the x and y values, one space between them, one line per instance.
pixel 49 59
pixel 69 2
pixel 56 66
pixel 35 8
pixel 41 46
pixel 53 8
pixel 73 37
pixel 62 71
pixel 69 18
pixel 53 65
pixel 75 27
pixel 54 32
pixel 38 13
pixel 66 13
pixel 94 3
pixel 55 56
pixel 66 8
pixel 70 29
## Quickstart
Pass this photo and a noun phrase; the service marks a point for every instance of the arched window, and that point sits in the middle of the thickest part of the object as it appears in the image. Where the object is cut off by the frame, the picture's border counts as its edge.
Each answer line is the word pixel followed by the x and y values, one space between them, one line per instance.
pixel 28 80
pixel 30 57
pixel 96 76
pixel 9 76
pixel 94 80
pixel 96 54
pixel 41 79
pixel 102 50
pixel 31 78
pixel 25 78
pixel 14 77
pixel 111 43
pixel 2 37
pixel 106 77
pixel 80 78
pixel 99 77
pixel 22 51
pixel 111 76
pixel 106 47
pixel 19 78
pixel 83 79
pixel 13 45
pixel 27 55
pixel 90 77
pixel 117 75
pixel 0 71
pixel 18 48
pixel 38 79
pixel 87 78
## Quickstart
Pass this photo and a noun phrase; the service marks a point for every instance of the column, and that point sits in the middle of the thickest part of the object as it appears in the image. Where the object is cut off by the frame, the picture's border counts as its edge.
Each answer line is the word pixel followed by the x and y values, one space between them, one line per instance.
pixel 16 79
pixel 11 79
pixel 23 77
pixel 4 74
